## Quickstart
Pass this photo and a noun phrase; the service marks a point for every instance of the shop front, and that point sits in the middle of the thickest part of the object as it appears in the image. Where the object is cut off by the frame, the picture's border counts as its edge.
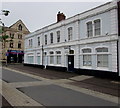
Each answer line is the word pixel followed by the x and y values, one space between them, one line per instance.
pixel 15 56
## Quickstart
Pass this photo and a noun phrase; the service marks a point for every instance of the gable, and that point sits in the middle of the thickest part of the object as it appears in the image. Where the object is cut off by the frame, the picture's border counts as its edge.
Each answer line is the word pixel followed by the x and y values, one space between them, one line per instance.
pixel 16 25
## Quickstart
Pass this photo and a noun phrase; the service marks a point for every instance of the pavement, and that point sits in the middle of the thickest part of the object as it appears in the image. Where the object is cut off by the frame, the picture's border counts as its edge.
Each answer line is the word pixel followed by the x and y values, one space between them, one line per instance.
pixel 19 92
pixel 103 85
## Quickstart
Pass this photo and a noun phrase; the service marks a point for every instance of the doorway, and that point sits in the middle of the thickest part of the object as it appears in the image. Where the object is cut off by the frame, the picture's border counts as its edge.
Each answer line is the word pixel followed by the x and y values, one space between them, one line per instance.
pixel 70 63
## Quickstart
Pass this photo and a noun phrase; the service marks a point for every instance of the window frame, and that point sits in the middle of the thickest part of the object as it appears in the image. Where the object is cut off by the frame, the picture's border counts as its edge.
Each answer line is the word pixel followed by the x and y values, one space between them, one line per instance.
pixel 38 41
pixel 51 57
pixel 20 27
pixel 58 36
pixel 97 28
pixel 87 52
pixel 58 58
pixel 51 38
pixel 19 44
pixel 102 53
pixel 70 33
pixel 89 30
pixel 45 39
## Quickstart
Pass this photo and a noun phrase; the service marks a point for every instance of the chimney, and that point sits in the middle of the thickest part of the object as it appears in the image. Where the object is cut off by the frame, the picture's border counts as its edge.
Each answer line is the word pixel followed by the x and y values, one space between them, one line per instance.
pixel 60 17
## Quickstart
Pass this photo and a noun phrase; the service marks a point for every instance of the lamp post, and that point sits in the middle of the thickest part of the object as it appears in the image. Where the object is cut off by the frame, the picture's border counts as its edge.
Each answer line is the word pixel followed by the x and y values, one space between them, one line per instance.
pixel 4 12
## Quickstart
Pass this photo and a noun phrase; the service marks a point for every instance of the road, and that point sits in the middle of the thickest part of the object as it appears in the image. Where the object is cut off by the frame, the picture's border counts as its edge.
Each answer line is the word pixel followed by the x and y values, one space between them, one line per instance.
pixel 23 89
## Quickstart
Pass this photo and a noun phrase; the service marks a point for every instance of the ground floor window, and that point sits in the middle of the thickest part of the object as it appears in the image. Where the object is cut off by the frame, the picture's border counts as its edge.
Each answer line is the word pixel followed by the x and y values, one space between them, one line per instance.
pixel 58 59
pixel 102 60
pixel 30 59
pixel 87 60
pixel 38 59
pixel 51 59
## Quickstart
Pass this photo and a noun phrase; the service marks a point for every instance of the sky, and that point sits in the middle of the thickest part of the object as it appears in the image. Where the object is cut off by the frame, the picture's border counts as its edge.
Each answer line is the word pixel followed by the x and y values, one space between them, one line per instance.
pixel 37 14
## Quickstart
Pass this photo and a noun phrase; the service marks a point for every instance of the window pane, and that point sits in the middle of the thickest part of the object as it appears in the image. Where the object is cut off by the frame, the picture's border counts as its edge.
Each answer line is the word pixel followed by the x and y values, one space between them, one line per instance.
pixel 86 50
pixel 87 60
pixel 38 59
pixel 97 27
pixel 51 37
pixel 58 59
pixel 102 60
pixel 102 49
pixel 89 29
pixel 58 36
pixel 51 59
pixel 70 33
pixel 45 39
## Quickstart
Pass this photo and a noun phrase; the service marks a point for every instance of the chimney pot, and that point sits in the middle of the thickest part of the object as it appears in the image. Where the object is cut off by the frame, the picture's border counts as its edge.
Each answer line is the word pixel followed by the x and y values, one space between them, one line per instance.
pixel 60 17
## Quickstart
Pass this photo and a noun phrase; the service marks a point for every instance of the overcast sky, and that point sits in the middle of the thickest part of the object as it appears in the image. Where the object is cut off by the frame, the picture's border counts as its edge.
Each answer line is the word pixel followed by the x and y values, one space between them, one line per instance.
pixel 36 15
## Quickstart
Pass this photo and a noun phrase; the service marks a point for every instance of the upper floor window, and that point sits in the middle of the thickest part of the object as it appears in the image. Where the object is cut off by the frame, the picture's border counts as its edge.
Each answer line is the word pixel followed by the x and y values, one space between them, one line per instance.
pixel 70 33
pixel 20 27
pixel 58 36
pixel 19 44
pixel 11 44
pixel 45 39
pixel 12 35
pixel 51 37
pixel 19 36
pixel 38 38
pixel 89 29
pixel 30 42
pixel 94 28
pixel 97 27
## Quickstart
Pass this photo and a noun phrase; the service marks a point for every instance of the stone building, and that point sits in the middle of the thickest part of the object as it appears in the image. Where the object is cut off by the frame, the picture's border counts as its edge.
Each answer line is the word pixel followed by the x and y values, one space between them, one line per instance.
pixel 13 48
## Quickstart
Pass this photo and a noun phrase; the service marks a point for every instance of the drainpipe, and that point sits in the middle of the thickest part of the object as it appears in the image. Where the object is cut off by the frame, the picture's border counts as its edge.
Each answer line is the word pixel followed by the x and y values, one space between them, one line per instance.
pixel 42 54
pixel 118 42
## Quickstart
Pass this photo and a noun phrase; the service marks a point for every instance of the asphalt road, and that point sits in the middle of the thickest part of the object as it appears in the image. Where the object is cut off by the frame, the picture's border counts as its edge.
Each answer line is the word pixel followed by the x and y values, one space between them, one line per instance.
pixel 10 76
pixel 54 95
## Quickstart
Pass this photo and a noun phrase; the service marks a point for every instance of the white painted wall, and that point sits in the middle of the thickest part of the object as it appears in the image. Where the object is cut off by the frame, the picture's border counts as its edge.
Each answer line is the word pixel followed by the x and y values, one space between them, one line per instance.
pixel 79 40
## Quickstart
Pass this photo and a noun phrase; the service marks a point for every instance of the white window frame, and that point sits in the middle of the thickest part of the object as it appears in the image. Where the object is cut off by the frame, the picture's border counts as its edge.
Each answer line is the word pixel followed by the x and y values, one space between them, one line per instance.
pixel 88 30
pixel 87 54
pixel 38 40
pixel 58 58
pixel 58 36
pixel 98 28
pixel 51 60
pixel 70 33
pixel 102 53
pixel 38 59
pixel 45 39
pixel 51 38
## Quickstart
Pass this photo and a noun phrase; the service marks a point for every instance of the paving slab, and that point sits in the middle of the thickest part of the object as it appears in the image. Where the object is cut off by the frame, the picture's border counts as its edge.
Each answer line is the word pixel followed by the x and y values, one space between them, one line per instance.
pixel 15 97
pixel 11 76
pixel 53 95
pixel 80 78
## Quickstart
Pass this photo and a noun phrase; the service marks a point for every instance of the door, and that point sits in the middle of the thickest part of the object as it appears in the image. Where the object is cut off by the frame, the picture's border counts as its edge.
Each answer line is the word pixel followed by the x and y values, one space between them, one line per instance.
pixel 71 63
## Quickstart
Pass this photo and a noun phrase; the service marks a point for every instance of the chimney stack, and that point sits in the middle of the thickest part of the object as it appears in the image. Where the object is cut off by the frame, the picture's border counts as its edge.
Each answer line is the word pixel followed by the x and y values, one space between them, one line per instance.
pixel 60 17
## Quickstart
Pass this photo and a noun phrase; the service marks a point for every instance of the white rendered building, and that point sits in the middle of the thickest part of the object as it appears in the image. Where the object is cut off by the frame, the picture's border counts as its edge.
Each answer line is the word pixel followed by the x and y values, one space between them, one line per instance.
pixel 87 43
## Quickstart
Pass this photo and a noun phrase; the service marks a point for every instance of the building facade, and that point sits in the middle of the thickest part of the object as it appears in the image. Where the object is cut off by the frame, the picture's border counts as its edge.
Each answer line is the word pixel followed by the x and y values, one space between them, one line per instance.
pixel 86 43
pixel 13 47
